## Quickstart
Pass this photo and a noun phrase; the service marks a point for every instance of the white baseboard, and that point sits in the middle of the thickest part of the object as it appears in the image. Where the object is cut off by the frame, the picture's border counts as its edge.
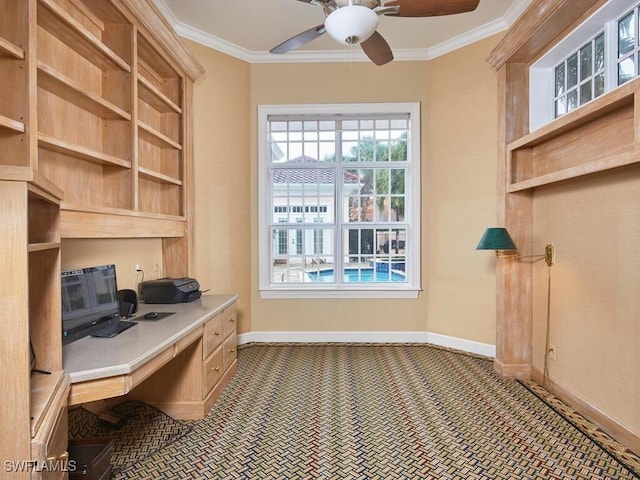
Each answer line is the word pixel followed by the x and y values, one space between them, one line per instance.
pixel 477 348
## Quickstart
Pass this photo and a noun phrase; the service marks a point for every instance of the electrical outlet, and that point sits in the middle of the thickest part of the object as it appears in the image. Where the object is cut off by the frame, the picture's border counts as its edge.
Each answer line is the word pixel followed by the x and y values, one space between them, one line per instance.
pixel 552 352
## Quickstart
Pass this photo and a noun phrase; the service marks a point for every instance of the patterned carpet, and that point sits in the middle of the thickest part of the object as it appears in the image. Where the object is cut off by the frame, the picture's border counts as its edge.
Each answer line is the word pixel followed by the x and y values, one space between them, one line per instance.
pixel 381 412
pixel 145 431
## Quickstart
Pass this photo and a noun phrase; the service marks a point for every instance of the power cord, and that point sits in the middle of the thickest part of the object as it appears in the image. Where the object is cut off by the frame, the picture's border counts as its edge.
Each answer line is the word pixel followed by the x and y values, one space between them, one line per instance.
pixel 546 340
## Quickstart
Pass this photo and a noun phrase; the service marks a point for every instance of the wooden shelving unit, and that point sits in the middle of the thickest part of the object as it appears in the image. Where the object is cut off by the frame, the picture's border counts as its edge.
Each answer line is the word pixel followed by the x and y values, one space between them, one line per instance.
pixel 557 151
pixel 59 23
pixel 95 143
pixel 71 91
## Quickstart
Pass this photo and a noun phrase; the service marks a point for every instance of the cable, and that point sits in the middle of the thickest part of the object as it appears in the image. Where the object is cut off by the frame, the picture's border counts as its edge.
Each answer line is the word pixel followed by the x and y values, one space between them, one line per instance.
pixel 546 340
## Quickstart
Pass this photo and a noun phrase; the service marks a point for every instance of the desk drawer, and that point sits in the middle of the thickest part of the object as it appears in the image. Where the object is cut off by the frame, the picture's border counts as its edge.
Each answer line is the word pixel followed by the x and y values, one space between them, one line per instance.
pixel 230 350
pixel 214 368
pixel 213 335
pixel 229 320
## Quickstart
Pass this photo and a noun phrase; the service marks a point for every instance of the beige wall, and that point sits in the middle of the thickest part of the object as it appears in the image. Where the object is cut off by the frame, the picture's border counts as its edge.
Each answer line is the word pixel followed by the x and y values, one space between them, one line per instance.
pixel 222 171
pixel 124 253
pixel 461 193
pixel 458 179
pixel 594 223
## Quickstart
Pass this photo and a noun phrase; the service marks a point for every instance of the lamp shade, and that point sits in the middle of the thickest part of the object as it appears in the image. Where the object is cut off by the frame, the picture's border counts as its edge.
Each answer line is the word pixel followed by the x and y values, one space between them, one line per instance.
pixel 351 24
pixel 496 238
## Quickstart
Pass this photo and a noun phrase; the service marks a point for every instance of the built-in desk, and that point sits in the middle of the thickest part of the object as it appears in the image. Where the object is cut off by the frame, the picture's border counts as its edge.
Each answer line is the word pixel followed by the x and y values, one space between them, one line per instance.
pixel 179 363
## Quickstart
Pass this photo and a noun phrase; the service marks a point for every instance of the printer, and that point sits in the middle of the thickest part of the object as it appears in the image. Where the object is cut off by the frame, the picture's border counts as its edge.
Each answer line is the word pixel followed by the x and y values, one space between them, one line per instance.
pixel 170 290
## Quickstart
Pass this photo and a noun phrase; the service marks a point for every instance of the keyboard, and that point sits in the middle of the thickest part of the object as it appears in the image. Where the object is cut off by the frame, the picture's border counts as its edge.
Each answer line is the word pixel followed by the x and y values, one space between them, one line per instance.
pixel 114 329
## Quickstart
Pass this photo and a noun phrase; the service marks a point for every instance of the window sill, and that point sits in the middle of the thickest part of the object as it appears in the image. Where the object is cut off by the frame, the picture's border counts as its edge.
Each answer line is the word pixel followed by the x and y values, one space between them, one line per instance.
pixel 343 292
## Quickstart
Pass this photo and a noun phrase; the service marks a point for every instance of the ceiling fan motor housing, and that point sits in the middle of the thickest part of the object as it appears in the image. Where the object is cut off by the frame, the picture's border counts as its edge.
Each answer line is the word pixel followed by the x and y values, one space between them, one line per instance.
pixel 352 24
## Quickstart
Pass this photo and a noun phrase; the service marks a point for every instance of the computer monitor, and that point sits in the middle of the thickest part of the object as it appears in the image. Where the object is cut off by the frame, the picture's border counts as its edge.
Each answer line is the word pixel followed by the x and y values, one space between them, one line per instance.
pixel 89 301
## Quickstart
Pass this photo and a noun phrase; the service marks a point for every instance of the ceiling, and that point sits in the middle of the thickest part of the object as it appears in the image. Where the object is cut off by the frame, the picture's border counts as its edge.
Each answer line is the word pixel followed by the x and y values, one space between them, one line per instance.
pixel 248 29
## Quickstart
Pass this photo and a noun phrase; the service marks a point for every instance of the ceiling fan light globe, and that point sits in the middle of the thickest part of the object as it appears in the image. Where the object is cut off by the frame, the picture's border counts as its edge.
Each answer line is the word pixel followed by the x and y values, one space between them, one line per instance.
pixel 352 24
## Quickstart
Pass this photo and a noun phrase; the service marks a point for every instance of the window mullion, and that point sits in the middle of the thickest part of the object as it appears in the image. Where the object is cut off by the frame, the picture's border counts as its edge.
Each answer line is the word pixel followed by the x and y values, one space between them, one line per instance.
pixel 338 259
pixel 611 55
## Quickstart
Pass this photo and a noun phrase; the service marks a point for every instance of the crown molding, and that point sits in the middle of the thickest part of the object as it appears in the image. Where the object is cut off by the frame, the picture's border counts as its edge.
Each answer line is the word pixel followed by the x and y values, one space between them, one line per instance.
pixel 344 55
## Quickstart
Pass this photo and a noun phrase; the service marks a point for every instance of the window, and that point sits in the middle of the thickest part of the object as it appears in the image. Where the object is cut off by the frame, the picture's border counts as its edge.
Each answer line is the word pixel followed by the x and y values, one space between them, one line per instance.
pixel 339 200
pixel 628 47
pixel 598 56
pixel 580 77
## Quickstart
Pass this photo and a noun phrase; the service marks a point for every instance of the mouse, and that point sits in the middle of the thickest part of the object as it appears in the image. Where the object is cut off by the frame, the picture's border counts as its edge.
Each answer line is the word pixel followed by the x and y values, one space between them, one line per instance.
pixel 151 315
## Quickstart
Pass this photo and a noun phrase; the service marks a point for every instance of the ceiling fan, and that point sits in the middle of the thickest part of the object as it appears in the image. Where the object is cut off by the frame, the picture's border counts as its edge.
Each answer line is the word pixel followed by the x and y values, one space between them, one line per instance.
pixel 353 22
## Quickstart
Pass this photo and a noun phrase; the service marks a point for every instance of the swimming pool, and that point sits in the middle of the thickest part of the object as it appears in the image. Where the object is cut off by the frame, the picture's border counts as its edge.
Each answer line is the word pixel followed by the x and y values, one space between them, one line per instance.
pixel 358 275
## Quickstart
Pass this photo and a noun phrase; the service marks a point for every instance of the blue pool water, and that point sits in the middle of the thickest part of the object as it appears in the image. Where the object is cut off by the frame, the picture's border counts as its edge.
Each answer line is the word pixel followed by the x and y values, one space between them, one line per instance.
pixel 357 275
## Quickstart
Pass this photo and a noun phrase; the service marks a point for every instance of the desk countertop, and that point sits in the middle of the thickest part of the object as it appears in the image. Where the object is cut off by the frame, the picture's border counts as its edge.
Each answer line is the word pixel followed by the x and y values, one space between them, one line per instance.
pixel 93 358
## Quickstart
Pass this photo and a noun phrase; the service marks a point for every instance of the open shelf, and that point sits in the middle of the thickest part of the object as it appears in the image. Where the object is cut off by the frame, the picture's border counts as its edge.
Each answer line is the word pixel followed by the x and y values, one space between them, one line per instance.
pixel 153 136
pixel 158 177
pixel 66 88
pixel 155 98
pixel 8 49
pixel 11 124
pixel 63 26
pixel 78 151
pixel 44 220
pixel 82 221
pixel 557 152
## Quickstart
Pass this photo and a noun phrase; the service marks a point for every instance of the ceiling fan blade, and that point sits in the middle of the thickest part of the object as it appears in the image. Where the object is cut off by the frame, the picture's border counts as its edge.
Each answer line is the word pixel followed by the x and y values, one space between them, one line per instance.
pixel 377 49
pixel 299 40
pixel 431 8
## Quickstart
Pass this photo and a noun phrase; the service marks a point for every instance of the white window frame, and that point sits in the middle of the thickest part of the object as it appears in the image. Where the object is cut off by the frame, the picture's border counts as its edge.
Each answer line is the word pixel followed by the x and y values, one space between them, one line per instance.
pixel 413 207
pixel 542 72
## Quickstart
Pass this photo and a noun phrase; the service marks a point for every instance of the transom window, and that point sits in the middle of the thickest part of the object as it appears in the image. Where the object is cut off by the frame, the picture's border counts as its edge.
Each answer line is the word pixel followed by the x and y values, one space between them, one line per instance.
pixel 628 47
pixel 580 78
pixel 339 200
pixel 597 57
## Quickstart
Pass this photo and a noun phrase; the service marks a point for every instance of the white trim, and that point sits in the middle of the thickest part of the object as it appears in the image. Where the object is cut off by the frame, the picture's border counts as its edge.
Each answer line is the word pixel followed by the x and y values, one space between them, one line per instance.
pixel 469 346
pixel 541 73
pixel 267 290
pixel 388 292
pixel 344 55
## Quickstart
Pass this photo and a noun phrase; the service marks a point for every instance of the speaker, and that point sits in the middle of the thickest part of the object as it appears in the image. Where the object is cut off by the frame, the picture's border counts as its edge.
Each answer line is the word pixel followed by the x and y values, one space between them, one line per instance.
pixel 127 303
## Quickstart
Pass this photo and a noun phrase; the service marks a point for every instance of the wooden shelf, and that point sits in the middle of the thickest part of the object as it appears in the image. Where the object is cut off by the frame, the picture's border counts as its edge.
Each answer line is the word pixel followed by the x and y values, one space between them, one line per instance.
pixel 66 88
pixel 587 168
pixel 556 152
pixel 63 26
pixel 158 177
pixel 80 221
pixel 612 101
pixel 78 151
pixel 154 97
pixel 11 124
pixel 153 136
pixel 153 61
pixel 8 49
pixel 39 247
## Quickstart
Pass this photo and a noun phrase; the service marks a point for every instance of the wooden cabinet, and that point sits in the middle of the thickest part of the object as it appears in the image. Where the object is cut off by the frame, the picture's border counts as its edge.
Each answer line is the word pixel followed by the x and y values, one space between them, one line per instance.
pixel 188 385
pixel 94 141
pixel 220 350
pixel 34 385
pixel 122 96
